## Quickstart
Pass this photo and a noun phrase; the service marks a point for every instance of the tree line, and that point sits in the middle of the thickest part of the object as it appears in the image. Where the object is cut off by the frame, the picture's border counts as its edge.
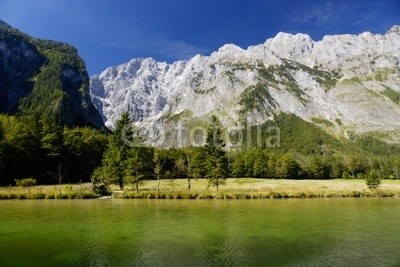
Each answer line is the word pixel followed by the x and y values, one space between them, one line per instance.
pixel 122 164
pixel 51 154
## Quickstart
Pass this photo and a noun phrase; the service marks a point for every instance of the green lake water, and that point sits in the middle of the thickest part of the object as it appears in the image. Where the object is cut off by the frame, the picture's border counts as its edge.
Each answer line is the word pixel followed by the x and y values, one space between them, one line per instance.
pixel 294 232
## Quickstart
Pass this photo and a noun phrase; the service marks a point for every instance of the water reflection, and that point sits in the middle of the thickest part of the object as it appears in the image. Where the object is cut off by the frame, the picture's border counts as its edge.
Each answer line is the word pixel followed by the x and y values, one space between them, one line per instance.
pixel 336 232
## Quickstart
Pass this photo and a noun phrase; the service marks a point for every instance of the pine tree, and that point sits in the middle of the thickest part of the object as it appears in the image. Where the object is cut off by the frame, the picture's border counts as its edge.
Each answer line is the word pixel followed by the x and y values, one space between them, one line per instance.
pixel 373 179
pixel 115 158
pixel 139 165
pixel 101 181
pixel 216 160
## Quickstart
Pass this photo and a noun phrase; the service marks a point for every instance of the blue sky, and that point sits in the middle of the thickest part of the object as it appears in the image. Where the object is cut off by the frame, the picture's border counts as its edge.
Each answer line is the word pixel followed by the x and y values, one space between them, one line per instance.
pixel 108 33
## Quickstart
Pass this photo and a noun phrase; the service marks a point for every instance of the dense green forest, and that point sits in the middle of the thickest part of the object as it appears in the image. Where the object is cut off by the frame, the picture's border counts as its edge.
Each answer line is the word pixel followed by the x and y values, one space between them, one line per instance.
pixel 47 152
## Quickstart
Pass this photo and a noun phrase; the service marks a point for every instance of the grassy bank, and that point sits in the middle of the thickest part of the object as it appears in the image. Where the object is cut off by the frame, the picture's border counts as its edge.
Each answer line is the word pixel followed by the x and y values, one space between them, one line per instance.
pixel 235 188
pixel 76 191
pixel 246 188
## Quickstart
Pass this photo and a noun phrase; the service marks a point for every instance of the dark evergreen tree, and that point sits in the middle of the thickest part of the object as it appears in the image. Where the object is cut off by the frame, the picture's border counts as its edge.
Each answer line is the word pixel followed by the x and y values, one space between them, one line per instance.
pixel 116 156
pixel 373 179
pixel 216 161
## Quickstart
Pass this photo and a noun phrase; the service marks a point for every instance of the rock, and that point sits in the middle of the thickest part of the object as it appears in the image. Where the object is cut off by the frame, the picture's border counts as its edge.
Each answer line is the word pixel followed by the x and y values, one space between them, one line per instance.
pixel 341 78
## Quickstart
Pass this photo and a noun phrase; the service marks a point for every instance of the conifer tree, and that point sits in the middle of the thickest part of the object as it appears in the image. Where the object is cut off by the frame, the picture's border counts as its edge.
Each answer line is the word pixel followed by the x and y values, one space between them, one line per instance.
pixel 216 160
pixel 139 165
pixel 115 158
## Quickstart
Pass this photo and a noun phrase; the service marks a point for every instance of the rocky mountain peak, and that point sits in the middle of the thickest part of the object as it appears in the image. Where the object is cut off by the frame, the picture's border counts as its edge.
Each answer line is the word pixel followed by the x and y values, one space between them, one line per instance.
pixel 343 83
pixel 395 29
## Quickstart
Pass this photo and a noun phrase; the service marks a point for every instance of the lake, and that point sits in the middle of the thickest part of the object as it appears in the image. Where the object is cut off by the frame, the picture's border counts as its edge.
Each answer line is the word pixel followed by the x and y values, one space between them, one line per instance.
pixel 293 232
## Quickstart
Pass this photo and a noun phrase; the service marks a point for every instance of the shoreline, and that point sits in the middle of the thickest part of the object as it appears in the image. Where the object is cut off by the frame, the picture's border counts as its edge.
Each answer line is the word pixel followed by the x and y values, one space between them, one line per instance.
pixel 210 196
pixel 235 188
pixel 269 195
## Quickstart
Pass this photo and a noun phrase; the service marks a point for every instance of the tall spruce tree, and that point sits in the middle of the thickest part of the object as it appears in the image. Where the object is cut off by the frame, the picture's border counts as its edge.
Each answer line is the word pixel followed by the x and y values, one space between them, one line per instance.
pixel 115 158
pixel 216 161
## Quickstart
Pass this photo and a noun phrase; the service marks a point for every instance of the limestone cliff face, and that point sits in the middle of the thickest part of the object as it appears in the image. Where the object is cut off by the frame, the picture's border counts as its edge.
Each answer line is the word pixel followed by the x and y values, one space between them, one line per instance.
pixel 19 61
pixel 346 84
pixel 44 78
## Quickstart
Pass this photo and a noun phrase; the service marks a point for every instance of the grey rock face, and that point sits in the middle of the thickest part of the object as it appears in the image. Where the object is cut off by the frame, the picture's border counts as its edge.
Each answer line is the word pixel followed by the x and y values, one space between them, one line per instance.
pixel 340 83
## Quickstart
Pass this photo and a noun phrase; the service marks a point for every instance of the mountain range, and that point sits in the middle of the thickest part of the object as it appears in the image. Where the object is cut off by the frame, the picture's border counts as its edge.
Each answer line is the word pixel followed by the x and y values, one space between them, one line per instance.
pixel 348 85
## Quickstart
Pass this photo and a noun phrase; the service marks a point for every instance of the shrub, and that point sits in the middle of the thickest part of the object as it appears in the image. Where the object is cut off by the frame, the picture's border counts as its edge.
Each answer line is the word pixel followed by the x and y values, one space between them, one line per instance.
pixel 102 189
pixel 373 179
pixel 25 182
